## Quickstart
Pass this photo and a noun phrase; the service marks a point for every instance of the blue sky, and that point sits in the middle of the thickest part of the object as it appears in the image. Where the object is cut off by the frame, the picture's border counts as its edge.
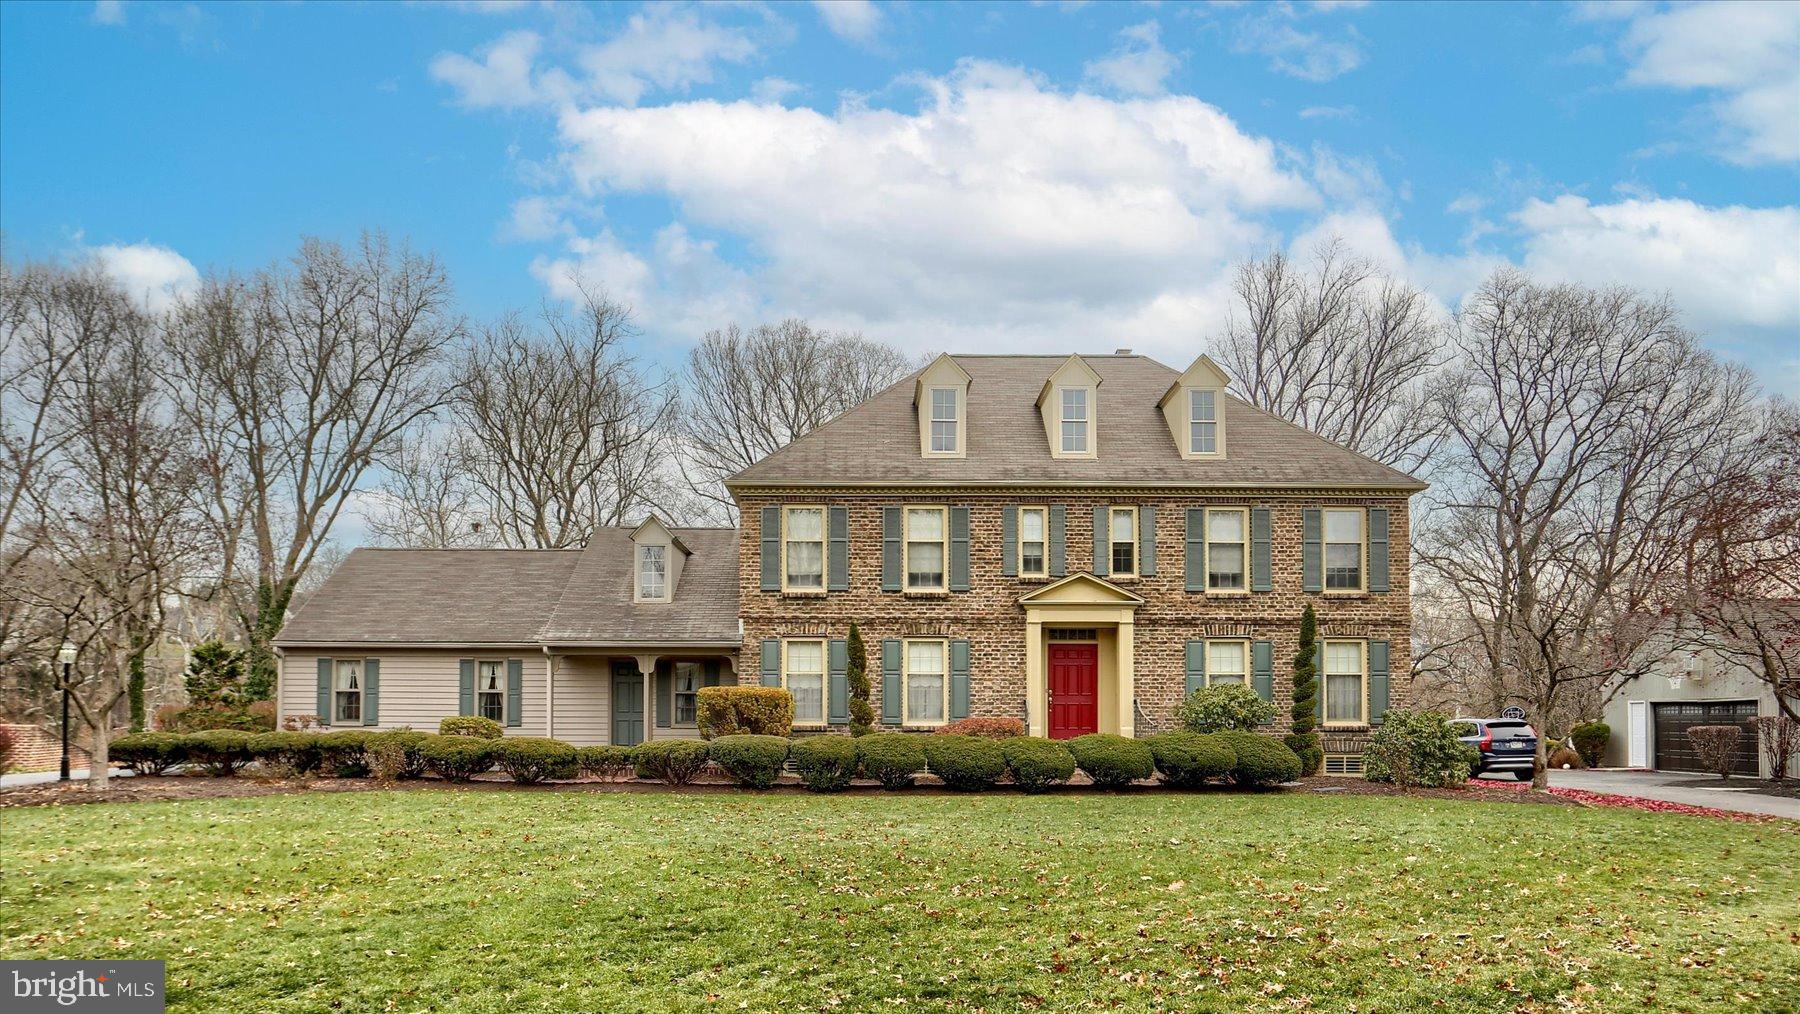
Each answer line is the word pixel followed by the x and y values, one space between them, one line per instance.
pixel 940 176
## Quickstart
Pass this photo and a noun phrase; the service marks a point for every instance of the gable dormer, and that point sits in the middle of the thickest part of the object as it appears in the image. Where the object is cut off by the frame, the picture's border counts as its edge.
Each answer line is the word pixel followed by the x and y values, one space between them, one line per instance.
pixel 1194 407
pixel 1070 405
pixel 657 556
pixel 941 402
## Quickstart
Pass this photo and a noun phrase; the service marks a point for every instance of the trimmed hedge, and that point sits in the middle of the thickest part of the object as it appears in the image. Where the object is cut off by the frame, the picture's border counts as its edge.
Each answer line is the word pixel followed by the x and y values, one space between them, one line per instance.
pixel 891 758
pixel 1113 762
pixel 341 754
pixel 986 728
pixel 752 761
pixel 608 762
pixel 1187 760
pixel 458 758
pixel 220 751
pixel 1260 760
pixel 744 711
pixel 149 753
pixel 675 761
pixel 471 725
pixel 965 763
pixel 825 763
pixel 395 754
pixel 286 753
pixel 532 759
pixel 1223 708
pixel 1037 764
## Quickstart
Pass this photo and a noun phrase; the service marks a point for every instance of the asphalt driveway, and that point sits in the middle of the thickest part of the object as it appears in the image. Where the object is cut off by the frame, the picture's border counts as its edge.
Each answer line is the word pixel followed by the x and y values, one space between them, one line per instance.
pixel 1676 787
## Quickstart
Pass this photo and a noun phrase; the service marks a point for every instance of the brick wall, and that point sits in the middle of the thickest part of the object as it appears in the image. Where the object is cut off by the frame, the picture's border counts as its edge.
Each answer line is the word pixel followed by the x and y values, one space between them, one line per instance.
pixel 37 749
pixel 990 617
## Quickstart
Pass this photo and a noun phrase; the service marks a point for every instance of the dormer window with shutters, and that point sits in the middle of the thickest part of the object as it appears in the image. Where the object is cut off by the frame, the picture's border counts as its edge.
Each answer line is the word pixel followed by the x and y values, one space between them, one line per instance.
pixel 1194 407
pixel 941 397
pixel 1069 404
pixel 657 556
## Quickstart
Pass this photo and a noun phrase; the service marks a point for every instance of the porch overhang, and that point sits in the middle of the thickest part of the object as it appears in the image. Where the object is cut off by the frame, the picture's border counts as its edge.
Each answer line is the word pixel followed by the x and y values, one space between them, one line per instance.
pixel 1080 600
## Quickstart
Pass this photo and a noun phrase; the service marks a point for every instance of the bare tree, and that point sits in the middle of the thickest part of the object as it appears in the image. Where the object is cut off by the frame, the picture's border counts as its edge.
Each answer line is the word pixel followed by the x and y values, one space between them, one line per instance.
pixel 426 499
pixel 746 394
pixel 1338 347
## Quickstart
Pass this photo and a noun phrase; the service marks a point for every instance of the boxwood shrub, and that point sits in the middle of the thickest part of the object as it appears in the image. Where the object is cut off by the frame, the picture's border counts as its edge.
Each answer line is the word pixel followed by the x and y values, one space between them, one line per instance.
pixel 395 754
pixel 1112 761
pixel 744 711
pixel 608 762
pixel 471 725
pixel 676 761
pixel 891 758
pixel 149 753
pixel 751 761
pixel 458 758
pixel 1223 707
pixel 1260 761
pixel 286 754
pixel 220 751
pixel 341 753
pixel 1035 763
pixel 986 728
pixel 1188 759
pixel 825 763
pixel 532 759
pixel 965 763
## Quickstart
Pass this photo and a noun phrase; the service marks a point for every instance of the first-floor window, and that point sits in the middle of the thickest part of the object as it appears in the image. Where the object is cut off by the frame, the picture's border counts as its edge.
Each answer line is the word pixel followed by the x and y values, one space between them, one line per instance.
pixel 347 691
pixel 1031 541
pixel 1227 662
pixel 804 677
pixel 687 692
pixel 924 682
pixel 1124 541
pixel 1344 675
pixel 490 690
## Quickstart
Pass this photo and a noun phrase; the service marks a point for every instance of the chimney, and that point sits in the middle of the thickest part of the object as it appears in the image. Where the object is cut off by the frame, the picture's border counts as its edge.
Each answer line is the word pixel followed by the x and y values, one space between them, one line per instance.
pixel 1121 352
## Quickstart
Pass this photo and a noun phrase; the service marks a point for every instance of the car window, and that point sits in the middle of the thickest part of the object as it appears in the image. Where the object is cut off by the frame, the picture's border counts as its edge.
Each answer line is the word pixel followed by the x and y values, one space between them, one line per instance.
pixel 1465 728
pixel 1510 730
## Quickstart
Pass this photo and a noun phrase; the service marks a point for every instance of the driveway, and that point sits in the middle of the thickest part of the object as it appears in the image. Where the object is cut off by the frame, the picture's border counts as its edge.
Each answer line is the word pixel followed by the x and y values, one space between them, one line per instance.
pixel 40 777
pixel 1677 787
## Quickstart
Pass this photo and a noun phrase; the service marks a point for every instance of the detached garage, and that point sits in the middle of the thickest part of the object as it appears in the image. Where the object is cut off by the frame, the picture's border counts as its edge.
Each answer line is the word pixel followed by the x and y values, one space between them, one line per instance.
pixel 1675 752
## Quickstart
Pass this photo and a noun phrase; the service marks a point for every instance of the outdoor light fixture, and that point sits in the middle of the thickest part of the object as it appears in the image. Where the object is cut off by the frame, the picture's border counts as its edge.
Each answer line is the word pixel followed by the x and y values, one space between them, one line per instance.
pixel 67 657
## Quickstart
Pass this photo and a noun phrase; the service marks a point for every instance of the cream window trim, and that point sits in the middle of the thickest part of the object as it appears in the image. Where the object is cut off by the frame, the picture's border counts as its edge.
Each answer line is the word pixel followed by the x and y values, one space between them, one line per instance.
pixel 906 548
pixel 1198 415
pixel 787 671
pixel 697 673
pixel 822 542
pixel 1362 692
pixel 957 422
pixel 1112 541
pixel 1084 434
pixel 1362 554
pixel 1206 548
pixel 346 671
pixel 1244 671
pixel 906 677
pixel 490 671
pixel 1043 515
pixel 643 554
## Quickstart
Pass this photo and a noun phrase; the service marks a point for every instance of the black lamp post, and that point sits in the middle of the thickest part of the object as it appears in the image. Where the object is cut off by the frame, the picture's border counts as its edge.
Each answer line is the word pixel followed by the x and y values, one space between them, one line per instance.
pixel 67 657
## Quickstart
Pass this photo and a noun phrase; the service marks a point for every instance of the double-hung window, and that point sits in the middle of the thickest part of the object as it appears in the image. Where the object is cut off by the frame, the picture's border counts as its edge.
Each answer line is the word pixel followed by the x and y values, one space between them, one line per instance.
pixel 927 548
pixel 803 549
pixel 1123 540
pixel 1074 420
pixel 1227 662
pixel 1227 545
pixel 490 690
pixel 1203 422
pixel 686 692
pixel 1033 538
pixel 1346 675
pixel 925 679
pixel 653 573
pixel 803 673
pixel 1343 550
pixel 347 690
pixel 944 433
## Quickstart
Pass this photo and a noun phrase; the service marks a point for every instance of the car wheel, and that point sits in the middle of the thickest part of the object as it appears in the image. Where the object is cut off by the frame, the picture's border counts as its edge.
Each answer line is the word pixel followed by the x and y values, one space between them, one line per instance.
pixel 1523 776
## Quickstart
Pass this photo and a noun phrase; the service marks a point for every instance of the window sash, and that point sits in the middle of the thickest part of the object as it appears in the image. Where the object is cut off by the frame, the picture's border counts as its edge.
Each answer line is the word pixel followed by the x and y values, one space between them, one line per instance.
pixel 803 548
pixel 926 682
pixel 927 551
pixel 1203 426
pixel 686 692
pixel 1346 682
pixel 1122 536
pixel 943 420
pixel 1227 662
pixel 347 690
pixel 1226 557
pixel 1034 524
pixel 1344 533
pixel 653 572
pixel 1074 419
pixel 490 690
pixel 803 674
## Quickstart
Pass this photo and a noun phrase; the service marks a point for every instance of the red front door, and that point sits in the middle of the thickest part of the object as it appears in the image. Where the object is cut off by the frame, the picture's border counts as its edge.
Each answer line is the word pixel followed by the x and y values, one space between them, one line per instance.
pixel 1074 690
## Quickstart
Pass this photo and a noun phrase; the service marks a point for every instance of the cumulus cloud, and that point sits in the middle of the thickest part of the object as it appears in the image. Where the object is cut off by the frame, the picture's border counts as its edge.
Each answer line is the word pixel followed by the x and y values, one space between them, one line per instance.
pixel 501 78
pixel 1275 32
pixel 1138 65
pixel 857 21
pixel 155 276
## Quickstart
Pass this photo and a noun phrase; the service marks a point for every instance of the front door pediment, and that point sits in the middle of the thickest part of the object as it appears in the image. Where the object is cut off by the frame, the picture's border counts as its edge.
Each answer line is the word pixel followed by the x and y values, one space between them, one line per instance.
pixel 1081 590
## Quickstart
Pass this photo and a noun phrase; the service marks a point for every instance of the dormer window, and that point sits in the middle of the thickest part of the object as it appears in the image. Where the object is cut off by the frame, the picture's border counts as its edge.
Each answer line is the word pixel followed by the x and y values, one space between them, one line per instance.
pixel 1074 420
pixel 1203 421
pixel 946 433
pixel 1195 408
pixel 653 573
pixel 656 559
pixel 1069 405
pixel 941 401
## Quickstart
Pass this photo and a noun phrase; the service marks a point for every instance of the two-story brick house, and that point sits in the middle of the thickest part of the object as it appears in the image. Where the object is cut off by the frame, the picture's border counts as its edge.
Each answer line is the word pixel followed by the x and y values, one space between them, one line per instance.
pixel 1074 541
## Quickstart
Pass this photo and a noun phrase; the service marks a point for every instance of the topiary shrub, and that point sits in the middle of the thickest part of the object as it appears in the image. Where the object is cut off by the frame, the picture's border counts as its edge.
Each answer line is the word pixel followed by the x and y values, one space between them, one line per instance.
pixel 529 760
pixel 286 754
pixel 1187 760
pixel 751 761
pixel 1037 764
pixel 471 725
pixel 395 755
pixel 1111 761
pixel 675 761
pixel 1306 747
pixel 744 711
pixel 856 674
pixel 149 753
pixel 1418 748
pixel 1590 739
pixel 1303 713
pixel 825 763
pixel 458 758
pixel 965 763
pixel 986 728
pixel 1223 708
pixel 220 751
pixel 608 762
pixel 891 758
pixel 1259 761
pixel 341 753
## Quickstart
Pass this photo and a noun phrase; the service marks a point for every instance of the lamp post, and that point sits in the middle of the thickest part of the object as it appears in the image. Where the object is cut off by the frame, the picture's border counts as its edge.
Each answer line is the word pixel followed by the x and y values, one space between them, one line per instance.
pixel 67 657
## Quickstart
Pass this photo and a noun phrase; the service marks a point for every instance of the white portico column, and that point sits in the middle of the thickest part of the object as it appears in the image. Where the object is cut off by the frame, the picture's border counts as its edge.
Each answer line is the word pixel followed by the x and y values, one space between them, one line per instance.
pixel 1037 718
pixel 1127 638
pixel 647 667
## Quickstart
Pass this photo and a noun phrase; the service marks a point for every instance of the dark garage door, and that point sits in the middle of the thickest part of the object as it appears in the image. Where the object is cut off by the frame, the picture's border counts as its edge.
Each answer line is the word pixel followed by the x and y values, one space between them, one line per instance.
pixel 1675 753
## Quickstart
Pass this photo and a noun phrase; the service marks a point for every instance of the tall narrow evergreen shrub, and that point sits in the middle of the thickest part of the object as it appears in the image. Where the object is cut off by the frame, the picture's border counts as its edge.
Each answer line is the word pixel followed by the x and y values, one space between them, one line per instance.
pixel 1304 738
pixel 862 713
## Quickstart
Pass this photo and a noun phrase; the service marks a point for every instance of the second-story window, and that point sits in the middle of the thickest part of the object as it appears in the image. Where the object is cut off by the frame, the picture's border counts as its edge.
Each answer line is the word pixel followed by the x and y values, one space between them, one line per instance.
pixel 804 549
pixel 926 548
pixel 943 420
pixel 1032 522
pixel 653 573
pixel 1225 540
pixel 1123 538
pixel 1343 550
pixel 1074 420
pixel 1203 422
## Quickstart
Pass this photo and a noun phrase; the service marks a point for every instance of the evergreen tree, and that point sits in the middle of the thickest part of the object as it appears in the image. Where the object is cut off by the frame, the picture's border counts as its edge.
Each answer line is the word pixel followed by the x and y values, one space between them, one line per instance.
pixel 862 714
pixel 215 674
pixel 1304 739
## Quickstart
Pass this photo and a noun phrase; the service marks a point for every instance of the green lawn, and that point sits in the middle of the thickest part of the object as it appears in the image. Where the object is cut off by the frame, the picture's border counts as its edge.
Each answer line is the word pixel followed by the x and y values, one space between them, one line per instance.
pixel 527 901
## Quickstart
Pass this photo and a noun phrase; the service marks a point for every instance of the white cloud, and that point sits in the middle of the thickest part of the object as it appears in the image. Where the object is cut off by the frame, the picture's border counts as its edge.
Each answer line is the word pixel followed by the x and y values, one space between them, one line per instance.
pixel 108 12
pixel 857 21
pixel 1275 32
pixel 1328 113
pixel 1138 65
pixel 501 78
pixel 535 218
pixel 155 276
pixel 774 89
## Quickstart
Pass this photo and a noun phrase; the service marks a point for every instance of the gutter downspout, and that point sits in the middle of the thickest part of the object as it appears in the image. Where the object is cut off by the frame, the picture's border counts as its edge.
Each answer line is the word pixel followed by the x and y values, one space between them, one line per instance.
pixel 549 694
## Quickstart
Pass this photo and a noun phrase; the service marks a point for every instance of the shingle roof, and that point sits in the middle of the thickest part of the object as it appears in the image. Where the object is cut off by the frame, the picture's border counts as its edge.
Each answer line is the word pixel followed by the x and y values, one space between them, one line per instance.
pixel 596 603
pixel 878 443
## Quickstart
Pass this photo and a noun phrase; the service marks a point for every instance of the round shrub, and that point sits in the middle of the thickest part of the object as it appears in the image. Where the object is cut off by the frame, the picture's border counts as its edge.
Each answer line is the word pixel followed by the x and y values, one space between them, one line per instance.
pixel 458 758
pixel 396 754
pixel 608 762
pixel 149 753
pixel 1112 761
pixel 1590 739
pixel 1188 759
pixel 825 763
pixel 1036 764
pixel 752 761
pixel 965 763
pixel 220 751
pixel 471 725
pixel 286 754
pixel 676 761
pixel 1418 748
pixel 1223 708
pixel 986 728
pixel 891 758
pixel 1260 760
pixel 341 753
pixel 532 759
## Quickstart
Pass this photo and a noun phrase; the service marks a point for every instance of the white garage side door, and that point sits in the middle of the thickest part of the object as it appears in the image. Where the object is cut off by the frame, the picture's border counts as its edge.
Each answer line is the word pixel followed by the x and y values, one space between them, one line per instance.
pixel 1638 749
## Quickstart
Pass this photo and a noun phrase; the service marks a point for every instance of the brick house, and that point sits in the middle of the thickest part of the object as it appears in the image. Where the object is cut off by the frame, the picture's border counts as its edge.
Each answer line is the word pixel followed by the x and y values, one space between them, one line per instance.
pixel 1074 541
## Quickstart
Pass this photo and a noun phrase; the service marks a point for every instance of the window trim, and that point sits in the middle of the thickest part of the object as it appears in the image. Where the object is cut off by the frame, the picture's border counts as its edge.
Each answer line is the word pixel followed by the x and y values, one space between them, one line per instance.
pixel 1249 661
pixel 675 721
pixel 1206 544
pixel 1362 693
pixel 1089 409
pixel 476 703
pixel 906 718
pixel 361 691
pixel 1325 544
pixel 824 679
pixel 958 399
pixel 1136 538
pixel 906 541
pixel 638 572
pixel 1019 540
pixel 824 543
pixel 1217 396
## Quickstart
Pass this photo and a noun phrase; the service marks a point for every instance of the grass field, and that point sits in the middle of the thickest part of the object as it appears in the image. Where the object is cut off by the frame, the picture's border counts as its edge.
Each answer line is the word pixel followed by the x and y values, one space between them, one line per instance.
pixel 526 901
